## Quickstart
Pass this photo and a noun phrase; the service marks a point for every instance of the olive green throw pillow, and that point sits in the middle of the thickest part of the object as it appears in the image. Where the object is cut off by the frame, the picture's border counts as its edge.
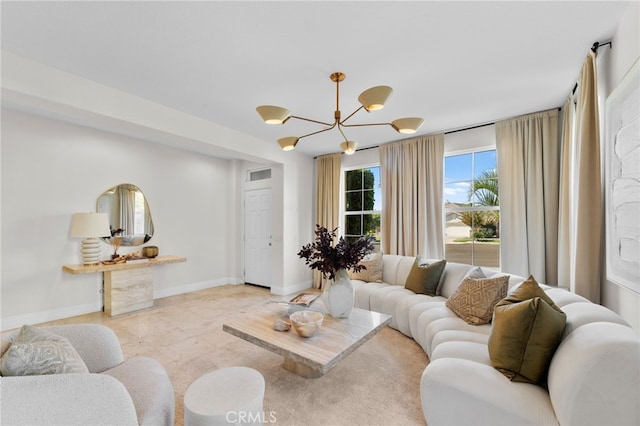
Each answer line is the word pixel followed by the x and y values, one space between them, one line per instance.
pixel 530 289
pixel 424 279
pixel 526 331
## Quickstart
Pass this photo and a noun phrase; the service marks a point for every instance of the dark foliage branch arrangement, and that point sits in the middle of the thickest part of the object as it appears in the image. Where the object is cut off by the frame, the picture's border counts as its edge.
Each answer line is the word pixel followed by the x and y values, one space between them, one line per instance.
pixel 325 256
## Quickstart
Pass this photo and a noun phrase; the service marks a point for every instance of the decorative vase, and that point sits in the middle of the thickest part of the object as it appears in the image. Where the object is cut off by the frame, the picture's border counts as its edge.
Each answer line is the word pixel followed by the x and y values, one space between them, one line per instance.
pixel 338 295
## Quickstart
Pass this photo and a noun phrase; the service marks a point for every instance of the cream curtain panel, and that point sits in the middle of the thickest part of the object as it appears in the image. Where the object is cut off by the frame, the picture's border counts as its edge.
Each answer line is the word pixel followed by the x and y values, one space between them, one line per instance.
pixel 411 174
pixel 586 188
pixel 528 165
pixel 565 232
pixel 328 198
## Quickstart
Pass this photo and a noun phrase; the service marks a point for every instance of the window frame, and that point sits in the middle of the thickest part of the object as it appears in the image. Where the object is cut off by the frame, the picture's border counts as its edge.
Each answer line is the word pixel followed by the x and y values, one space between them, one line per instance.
pixel 472 208
pixel 343 191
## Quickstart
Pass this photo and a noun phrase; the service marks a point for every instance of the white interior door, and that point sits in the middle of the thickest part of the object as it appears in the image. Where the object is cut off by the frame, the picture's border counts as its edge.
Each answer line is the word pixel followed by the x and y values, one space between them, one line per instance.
pixel 257 237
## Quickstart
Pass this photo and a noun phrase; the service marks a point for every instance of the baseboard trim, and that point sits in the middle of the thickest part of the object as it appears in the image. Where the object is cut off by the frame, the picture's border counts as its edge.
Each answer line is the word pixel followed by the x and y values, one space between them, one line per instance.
pixel 72 311
pixel 305 285
pixel 202 285
pixel 51 315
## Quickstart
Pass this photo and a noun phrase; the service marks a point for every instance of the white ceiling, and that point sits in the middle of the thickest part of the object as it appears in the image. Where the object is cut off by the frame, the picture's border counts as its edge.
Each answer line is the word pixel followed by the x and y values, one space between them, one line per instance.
pixel 456 64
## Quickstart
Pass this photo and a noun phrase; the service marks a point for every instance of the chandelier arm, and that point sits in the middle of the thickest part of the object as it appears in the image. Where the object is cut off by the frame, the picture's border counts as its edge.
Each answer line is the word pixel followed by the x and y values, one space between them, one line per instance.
pixel 367 124
pixel 342 133
pixel 351 115
pixel 314 121
pixel 319 131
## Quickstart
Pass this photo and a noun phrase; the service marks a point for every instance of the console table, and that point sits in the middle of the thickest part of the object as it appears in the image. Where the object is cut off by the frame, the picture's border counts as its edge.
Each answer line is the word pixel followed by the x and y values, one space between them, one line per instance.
pixel 127 286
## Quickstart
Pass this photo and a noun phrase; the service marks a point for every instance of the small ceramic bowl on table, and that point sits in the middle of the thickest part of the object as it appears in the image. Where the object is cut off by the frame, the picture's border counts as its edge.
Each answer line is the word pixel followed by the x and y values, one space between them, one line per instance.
pixel 281 324
pixel 306 323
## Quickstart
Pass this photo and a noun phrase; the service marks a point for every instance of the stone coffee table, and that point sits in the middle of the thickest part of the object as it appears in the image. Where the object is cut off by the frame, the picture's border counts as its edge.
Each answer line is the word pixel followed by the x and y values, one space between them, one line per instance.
pixel 309 357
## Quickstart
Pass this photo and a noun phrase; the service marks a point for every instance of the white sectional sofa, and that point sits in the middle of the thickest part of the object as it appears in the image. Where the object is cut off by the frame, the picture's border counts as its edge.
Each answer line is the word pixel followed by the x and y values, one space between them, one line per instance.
pixel 593 378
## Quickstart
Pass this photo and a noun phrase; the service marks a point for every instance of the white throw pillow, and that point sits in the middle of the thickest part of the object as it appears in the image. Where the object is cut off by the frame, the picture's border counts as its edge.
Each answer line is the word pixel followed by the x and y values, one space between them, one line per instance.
pixel 36 352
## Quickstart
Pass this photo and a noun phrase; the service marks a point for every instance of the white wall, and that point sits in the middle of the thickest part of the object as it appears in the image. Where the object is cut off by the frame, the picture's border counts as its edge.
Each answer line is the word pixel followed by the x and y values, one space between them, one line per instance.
pixel 472 139
pixel 297 220
pixel 625 51
pixel 203 175
pixel 52 169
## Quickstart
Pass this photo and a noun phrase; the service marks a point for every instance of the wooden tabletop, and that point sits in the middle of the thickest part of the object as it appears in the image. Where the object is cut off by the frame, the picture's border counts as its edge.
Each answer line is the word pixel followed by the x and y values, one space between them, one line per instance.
pixel 309 356
pixel 87 269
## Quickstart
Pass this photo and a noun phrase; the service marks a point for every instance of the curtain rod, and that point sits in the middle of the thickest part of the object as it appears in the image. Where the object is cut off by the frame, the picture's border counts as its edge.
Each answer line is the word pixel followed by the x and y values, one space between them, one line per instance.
pixel 594 49
pixel 469 128
pixel 446 133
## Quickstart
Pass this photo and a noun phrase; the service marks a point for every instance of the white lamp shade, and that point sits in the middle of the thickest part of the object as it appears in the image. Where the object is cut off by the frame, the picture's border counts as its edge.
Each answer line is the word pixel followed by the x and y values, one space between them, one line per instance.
pixel 407 125
pixel 90 225
pixel 349 147
pixel 272 114
pixel 288 143
pixel 375 97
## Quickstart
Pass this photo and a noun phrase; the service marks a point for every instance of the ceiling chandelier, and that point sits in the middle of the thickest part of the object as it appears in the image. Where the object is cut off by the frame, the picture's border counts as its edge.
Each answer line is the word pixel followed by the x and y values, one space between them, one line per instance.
pixel 371 99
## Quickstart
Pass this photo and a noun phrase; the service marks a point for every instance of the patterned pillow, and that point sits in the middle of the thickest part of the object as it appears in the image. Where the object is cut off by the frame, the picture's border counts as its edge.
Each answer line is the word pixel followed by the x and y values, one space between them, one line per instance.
pixel 35 352
pixel 373 271
pixel 475 298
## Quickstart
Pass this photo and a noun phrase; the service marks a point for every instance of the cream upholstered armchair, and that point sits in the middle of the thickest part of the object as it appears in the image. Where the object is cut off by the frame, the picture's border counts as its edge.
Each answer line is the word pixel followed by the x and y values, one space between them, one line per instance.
pixel 111 390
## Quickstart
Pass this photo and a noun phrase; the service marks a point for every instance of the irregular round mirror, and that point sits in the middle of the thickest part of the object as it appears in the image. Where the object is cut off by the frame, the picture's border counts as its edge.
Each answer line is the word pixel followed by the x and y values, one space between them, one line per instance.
pixel 129 215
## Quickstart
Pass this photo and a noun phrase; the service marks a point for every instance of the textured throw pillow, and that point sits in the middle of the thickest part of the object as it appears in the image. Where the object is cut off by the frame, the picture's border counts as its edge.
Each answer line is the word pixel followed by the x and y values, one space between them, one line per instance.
pixel 373 271
pixel 424 279
pixel 35 352
pixel 526 331
pixel 475 298
pixel 4 345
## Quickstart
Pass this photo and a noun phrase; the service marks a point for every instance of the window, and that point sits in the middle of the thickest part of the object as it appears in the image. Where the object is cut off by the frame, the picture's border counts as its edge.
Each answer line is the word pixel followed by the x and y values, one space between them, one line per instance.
pixel 362 203
pixel 139 213
pixel 472 208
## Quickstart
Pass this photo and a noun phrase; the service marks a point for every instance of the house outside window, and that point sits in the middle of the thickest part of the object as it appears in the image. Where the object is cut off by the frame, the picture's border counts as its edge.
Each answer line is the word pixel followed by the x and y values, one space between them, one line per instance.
pixel 362 203
pixel 472 208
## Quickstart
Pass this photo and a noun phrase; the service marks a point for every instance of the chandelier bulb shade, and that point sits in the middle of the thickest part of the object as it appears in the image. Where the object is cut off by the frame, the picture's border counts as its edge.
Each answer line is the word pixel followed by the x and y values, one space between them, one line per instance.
pixel 349 147
pixel 272 114
pixel 371 99
pixel 407 125
pixel 374 98
pixel 288 143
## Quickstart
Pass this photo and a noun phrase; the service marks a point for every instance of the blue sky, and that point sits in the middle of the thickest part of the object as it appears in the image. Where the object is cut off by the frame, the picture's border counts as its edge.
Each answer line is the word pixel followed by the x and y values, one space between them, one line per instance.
pixel 459 170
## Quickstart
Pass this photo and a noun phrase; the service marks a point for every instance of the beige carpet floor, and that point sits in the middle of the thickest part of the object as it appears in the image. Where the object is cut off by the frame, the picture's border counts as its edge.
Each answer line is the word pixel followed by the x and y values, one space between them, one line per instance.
pixel 378 384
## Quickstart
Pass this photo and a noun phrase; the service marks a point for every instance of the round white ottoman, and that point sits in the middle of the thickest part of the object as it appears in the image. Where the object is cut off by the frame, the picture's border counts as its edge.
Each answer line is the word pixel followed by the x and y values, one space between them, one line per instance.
pixel 229 396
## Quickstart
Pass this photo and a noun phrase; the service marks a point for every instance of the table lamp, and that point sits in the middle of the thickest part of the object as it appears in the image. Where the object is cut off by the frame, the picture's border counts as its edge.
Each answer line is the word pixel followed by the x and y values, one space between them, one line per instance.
pixel 90 226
